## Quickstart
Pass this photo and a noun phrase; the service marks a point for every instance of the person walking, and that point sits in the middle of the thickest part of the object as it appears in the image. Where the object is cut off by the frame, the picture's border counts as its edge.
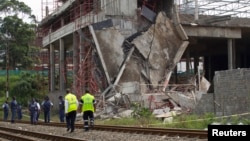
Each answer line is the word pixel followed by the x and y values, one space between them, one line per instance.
pixel 47 105
pixel 5 110
pixel 33 109
pixel 71 106
pixel 87 106
pixel 13 108
pixel 61 109
pixel 39 109
pixel 19 112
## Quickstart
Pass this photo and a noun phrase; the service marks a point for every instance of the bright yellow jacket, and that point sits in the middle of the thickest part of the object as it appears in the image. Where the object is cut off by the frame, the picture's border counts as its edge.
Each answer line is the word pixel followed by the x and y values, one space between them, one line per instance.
pixel 88 101
pixel 71 103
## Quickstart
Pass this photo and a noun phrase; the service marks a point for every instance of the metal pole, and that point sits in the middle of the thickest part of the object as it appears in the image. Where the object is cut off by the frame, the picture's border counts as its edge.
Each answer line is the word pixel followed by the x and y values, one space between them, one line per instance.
pixel 7 70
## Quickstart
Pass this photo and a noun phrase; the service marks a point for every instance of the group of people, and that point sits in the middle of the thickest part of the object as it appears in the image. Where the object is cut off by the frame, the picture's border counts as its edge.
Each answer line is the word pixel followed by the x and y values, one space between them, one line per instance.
pixel 35 108
pixel 68 108
pixel 15 108
pixel 86 105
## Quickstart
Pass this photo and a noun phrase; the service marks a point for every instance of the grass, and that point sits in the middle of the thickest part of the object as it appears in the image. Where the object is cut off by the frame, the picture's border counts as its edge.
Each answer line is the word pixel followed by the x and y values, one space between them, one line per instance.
pixel 181 121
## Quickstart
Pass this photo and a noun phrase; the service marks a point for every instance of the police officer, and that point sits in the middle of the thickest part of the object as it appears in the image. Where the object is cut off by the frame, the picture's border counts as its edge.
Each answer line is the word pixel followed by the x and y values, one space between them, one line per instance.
pixel 19 112
pixel 71 106
pixel 87 103
pixel 33 109
pixel 46 104
pixel 5 110
pixel 61 109
pixel 13 108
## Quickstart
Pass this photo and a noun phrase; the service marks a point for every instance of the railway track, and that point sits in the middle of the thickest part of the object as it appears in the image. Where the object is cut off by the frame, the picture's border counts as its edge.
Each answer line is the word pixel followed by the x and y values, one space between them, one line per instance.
pixel 22 135
pixel 188 133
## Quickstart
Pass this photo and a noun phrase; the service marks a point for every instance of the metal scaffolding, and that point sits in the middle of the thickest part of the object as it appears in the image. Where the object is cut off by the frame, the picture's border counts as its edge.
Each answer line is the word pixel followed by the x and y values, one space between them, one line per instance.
pixel 49 6
pixel 233 8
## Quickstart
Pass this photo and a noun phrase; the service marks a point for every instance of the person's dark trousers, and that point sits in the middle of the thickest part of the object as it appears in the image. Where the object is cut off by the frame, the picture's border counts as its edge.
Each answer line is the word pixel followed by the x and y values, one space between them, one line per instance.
pixel 61 115
pixel 46 116
pixel 88 115
pixel 5 115
pixel 19 115
pixel 37 117
pixel 13 115
pixel 33 117
pixel 70 120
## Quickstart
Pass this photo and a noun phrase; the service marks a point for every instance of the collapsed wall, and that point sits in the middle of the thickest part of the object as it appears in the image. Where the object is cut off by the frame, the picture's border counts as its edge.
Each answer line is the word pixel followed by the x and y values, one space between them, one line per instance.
pixel 156 52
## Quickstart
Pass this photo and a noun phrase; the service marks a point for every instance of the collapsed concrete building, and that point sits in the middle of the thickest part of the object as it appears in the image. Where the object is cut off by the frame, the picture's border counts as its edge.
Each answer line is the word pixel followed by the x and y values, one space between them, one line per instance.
pixel 128 51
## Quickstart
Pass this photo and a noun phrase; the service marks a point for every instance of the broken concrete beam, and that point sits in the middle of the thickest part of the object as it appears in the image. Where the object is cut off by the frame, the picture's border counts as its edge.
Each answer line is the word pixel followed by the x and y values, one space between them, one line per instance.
pixel 160 46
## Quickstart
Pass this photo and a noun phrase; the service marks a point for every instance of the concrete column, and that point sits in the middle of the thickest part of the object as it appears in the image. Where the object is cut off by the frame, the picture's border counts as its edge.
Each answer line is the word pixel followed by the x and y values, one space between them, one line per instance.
pixel 231 54
pixel 52 68
pixel 187 62
pixel 62 71
pixel 196 14
pixel 196 63
pixel 234 54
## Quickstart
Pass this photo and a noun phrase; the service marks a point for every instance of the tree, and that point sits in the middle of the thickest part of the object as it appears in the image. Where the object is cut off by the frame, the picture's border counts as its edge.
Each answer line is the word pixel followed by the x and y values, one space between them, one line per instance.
pixel 14 7
pixel 17 36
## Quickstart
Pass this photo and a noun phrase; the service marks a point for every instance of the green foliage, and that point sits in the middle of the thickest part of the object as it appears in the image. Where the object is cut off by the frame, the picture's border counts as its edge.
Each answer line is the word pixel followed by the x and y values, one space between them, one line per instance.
pixel 192 121
pixel 24 86
pixel 27 87
pixel 18 46
pixel 246 121
pixel 23 91
pixel 141 113
pixel 14 6
pixel 187 121
pixel 16 35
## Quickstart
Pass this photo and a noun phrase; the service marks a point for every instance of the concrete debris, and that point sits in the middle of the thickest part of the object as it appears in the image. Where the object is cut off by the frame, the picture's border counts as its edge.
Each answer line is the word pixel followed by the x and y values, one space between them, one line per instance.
pixel 166 115
pixel 168 120
pixel 161 111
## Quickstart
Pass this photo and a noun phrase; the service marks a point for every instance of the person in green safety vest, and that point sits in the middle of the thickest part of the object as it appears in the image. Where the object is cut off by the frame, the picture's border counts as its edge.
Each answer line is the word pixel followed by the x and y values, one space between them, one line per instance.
pixel 87 106
pixel 71 106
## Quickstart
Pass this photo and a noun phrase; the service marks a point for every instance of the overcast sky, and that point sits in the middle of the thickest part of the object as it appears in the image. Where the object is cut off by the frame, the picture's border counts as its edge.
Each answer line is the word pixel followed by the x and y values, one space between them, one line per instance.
pixel 35 5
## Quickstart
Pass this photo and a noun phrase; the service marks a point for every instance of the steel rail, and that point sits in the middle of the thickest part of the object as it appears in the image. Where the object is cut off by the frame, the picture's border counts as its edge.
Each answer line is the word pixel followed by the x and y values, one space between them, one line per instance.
pixel 190 133
pixel 35 135
pixel 14 137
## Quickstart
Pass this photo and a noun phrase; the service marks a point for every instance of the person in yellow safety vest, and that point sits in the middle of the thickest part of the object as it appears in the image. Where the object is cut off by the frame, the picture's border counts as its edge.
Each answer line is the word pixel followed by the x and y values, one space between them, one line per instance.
pixel 71 106
pixel 87 106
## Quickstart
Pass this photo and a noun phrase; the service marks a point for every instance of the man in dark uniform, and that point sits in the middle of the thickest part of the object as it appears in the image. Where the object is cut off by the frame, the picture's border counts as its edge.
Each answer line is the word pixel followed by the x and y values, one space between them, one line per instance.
pixel 5 110
pixel 46 104
pixel 13 108
pixel 33 111
pixel 61 109
pixel 19 112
